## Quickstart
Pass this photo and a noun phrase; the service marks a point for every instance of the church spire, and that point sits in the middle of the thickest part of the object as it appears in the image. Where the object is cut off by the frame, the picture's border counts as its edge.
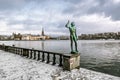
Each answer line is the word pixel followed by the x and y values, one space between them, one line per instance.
pixel 43 32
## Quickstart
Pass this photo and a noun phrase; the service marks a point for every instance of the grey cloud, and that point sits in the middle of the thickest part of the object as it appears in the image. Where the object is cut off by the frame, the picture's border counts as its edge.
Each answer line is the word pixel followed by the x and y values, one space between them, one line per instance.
pixel 58 27
pixel 25 22
pixel 16 5
pixel 95 6
pixel 87 27
pixel 28 24
pixel 84 6
pixel 74 1
pixel 10 8
pixel 108 8
pixel 11 4
pixel 2 17
pixel 102 2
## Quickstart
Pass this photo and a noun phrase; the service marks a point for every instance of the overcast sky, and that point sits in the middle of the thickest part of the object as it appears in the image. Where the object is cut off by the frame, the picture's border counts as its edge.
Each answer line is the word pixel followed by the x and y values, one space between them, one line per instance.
pixel 29 16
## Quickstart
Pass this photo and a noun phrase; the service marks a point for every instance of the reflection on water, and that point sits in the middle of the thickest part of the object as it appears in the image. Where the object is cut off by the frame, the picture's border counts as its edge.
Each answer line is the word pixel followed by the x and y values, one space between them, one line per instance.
pixel 42 45
pixel 99 55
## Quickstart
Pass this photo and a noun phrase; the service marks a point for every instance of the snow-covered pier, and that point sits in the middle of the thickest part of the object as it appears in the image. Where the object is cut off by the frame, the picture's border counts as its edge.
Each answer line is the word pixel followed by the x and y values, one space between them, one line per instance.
pixel 15 67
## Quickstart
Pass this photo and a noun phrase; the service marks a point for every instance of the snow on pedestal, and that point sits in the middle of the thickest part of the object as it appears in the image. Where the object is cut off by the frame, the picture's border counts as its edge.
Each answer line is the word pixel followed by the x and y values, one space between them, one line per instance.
pixel 15 67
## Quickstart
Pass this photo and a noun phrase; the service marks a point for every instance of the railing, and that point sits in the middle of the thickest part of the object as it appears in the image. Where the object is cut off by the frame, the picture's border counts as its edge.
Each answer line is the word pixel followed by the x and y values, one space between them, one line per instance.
pixel 44 56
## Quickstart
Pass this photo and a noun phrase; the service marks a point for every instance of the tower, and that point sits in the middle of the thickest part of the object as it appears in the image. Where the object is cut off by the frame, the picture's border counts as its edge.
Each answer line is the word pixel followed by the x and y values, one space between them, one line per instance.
pixel 43 32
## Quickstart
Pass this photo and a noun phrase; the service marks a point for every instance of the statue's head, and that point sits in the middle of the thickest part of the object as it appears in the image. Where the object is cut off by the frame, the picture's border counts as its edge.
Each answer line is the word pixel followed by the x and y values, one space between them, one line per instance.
pixel 72 23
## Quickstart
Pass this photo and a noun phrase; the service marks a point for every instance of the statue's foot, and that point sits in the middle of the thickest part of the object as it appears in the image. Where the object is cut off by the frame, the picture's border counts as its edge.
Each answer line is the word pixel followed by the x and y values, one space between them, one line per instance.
pixel 77 51
pixel 74 52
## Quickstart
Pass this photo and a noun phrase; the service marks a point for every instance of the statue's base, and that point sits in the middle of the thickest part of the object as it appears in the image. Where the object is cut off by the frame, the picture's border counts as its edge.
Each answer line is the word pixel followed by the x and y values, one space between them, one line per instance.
pixel 71 62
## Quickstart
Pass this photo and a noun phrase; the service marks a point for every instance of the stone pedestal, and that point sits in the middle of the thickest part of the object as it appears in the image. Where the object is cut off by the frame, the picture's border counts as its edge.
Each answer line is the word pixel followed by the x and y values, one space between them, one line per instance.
pixel 71 61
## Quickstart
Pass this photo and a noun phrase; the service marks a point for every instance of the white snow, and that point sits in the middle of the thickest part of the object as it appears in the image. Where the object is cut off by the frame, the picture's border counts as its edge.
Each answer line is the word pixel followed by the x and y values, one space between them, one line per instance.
pixel 15 67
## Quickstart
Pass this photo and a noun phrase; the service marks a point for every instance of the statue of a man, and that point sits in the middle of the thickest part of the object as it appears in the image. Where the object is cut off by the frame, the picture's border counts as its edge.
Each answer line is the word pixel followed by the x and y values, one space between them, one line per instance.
pixel 73 36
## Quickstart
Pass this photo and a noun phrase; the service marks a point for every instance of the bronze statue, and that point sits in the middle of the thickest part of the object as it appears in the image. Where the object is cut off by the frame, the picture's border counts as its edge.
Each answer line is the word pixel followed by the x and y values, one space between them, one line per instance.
pixel 73 36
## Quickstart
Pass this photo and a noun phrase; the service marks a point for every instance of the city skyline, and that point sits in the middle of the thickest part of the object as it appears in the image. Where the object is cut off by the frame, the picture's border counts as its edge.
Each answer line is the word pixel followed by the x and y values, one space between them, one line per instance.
pixel 30 16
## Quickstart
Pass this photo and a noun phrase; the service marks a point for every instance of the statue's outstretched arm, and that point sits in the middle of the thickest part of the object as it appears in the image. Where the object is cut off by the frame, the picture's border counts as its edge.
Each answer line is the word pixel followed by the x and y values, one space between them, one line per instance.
pixel 68 24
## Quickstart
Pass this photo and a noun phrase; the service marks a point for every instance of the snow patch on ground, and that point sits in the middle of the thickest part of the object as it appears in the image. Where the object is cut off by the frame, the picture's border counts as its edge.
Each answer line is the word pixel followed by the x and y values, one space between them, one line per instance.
pixel 15 67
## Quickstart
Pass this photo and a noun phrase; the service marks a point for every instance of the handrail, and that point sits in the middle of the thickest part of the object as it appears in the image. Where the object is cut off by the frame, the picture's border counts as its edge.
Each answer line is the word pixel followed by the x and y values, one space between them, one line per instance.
pixel 36 54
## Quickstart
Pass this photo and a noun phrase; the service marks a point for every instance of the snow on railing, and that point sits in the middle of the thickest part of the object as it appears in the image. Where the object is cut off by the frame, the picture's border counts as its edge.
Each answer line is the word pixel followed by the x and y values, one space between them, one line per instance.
pixel 44 56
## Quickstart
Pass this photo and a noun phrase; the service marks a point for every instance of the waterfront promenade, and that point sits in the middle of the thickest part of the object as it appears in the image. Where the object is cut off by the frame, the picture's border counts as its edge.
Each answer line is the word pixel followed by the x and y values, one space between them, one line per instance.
pixel 15 67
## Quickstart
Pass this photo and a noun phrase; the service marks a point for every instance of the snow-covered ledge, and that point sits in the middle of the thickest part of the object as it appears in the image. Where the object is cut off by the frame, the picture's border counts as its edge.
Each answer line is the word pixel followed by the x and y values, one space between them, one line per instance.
pixel 15 67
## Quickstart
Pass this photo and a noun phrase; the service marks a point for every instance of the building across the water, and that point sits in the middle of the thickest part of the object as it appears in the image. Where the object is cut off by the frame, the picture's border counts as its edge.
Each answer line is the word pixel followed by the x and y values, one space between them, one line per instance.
pixel 30 36
pixel 16 36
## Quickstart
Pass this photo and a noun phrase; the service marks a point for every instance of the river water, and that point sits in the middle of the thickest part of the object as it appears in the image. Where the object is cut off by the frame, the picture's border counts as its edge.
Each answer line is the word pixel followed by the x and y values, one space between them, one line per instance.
pixel 98 55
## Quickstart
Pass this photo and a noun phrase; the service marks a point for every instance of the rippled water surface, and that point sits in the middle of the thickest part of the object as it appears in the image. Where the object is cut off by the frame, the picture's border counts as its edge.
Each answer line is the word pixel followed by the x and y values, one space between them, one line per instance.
pixel 99 55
